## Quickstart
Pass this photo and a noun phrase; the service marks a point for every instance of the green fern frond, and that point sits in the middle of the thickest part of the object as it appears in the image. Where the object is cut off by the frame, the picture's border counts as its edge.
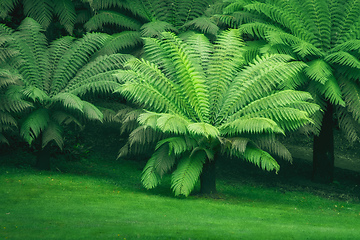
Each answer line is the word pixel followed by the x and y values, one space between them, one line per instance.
pixel 202 49
pixel 332 91
pixel 121 41
pixel 348 46
pixel 151 87
pixel 66 118
pixel 12 103
pixel 346 16
pixel 34 124
pixel 75 58
pixel 235 146
pixel 53 132
pixel 35 94
pixel 8 78
pixel 190 79
pixel 156 28
pixel 91 112
pixel 347 124
pixel 159 163
pixel 164 160
pixel 343 58
pixel 254 125
pixel 65 11
pixel 203 24
pixel 40 10
pixel 69 101
pixel 204 129
pixel 257 79
pixel 187 173
pixel 261 159
pixel 7 120
pixel 287 118
pixel 143 135
pixel 103 4
pixel 273 101
pixel 177 145
pixel 225 62
pixel 319 70
pixel 57 49
pixel 6 7
pixel 150 179
pixel 32 60
pixel 112 18
pixel 298 45
pixel 278 15
pixel 174 124
pixel 273 146
pixel 103 66
pixel 351 94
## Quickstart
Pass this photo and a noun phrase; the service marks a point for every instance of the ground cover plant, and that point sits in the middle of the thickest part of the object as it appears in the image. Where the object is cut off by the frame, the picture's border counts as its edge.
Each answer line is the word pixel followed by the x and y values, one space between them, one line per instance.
pixel 97 198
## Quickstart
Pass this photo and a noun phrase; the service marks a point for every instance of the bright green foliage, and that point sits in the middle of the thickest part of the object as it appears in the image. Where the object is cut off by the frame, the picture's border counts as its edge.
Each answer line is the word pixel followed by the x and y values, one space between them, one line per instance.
pixel 205 101
pixel 149 18
pixel 324 34
pixel 43 11
pixel 54 76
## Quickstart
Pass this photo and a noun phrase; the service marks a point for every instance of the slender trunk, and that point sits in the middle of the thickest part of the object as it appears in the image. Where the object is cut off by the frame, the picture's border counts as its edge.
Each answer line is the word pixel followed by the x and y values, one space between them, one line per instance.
pixel 43 158
pixel 208 178
pixel 323 149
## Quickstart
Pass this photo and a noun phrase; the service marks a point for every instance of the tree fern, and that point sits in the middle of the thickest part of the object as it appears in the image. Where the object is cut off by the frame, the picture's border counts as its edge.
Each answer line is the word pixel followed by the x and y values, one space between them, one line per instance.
pixel 205 99
pixel 53 78
pixel 325 35
pixel 43 11
pixel 149 18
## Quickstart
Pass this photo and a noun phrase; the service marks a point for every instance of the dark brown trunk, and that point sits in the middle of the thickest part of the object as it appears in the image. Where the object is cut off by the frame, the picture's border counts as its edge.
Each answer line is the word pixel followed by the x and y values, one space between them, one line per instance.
pixel 208 178
pixel 43 158
pixel 323 149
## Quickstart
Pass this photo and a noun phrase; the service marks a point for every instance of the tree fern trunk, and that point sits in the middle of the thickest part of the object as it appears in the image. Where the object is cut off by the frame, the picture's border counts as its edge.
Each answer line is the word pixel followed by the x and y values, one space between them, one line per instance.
pixel 323 149
pixel 208 178
pixel 43 157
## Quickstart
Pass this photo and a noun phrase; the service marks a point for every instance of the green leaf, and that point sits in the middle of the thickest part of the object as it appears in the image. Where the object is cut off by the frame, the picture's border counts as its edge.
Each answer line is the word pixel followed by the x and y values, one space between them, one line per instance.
pixel 256 125
pixel 261 159
pixel 34 124
pixel 204 129
pixel 187 173
pixel 53 132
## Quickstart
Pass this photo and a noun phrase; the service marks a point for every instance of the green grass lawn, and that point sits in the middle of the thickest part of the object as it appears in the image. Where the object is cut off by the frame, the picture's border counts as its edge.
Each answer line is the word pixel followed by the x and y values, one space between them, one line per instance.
pixel 99 199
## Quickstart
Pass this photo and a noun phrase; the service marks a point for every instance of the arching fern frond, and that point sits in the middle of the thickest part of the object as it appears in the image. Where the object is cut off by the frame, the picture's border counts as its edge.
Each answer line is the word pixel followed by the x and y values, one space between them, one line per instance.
pixel 113 18
pixel 156 28
pixel 254 125
pixel 53 132
pixel 203 24
pixel 34 124
pixel 187 173
pixel 261 159
pixel 65 11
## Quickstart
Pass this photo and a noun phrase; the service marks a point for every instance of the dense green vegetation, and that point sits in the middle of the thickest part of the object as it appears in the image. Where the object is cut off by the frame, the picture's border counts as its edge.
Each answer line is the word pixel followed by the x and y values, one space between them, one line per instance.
pixel 208 90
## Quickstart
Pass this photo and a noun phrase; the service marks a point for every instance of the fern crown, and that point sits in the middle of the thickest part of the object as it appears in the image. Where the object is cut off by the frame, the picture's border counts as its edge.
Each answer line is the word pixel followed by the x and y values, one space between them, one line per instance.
pixel 203 99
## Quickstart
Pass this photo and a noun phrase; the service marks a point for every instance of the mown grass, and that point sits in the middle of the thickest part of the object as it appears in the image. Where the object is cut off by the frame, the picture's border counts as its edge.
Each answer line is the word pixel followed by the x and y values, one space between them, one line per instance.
pixel 101 199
